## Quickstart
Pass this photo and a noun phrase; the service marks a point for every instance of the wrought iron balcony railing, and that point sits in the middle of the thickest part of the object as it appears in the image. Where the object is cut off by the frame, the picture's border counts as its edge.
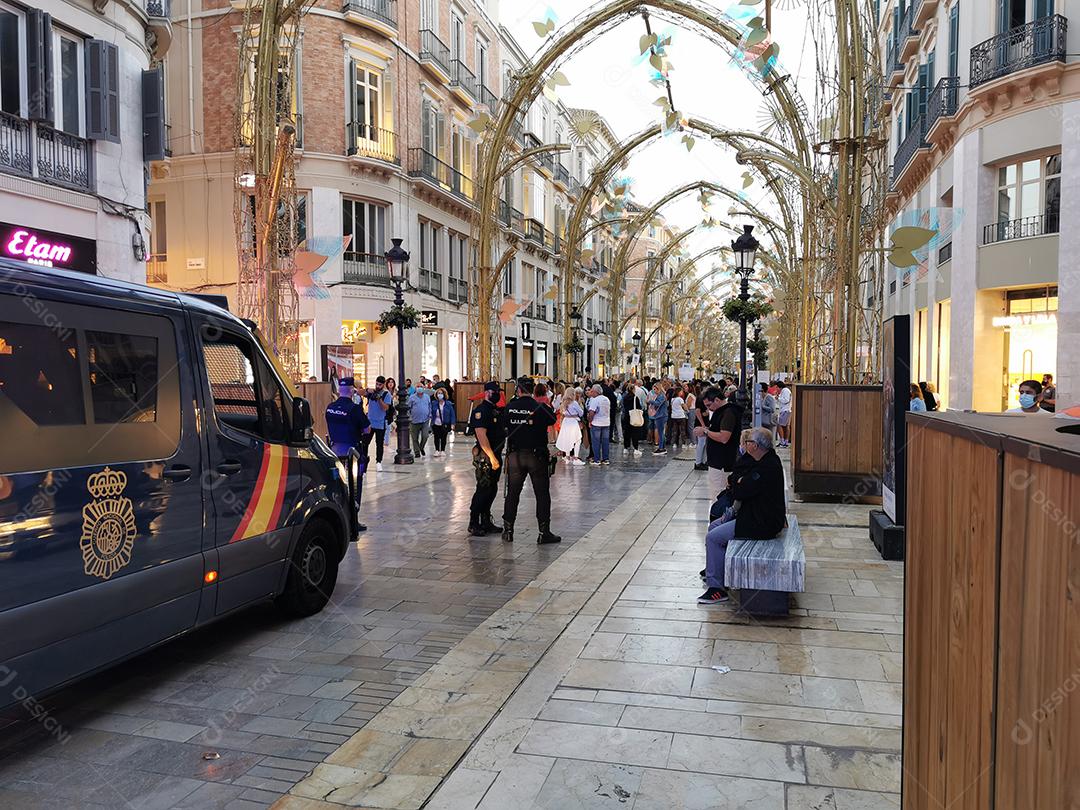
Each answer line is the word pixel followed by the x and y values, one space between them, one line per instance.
pixel 384 11
pixel 1034 43
pixel 434 50
pixel 158 8
pixel 517 220
pixel 489 100
pixel 534 231
pixel 912 143
pixel 365 140
pixel 562 175
pixel 40 152
pixel 424 164
pixel 944 253
pixel 531 141
pixel 463 78
pixel 1004 230
pixel 366 268
pixel 943 100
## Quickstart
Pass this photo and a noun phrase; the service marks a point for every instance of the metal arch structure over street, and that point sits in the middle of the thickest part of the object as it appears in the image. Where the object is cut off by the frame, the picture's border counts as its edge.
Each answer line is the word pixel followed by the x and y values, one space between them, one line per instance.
pixel 529 83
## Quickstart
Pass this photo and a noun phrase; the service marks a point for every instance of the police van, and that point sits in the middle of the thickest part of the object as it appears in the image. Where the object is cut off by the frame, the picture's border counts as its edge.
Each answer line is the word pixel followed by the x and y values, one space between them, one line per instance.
pixel 157 472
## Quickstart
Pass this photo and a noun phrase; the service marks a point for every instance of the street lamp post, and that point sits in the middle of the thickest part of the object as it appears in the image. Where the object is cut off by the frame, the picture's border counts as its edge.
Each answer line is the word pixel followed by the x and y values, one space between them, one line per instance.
pixel 637 351
pixel 575 317
pixel 667 362
pixel 397 262
pixel 745 250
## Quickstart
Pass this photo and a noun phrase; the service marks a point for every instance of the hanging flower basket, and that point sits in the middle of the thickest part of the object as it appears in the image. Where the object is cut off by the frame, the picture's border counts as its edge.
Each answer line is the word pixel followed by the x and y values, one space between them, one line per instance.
pixel 405 316
pixel 575 346
pixel 737 310
pixel 760 350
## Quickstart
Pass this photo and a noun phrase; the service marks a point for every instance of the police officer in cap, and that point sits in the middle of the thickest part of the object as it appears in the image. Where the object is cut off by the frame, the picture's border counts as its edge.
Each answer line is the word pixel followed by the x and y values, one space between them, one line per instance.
pixel 527 422
pixel 347 425
pixel 487 460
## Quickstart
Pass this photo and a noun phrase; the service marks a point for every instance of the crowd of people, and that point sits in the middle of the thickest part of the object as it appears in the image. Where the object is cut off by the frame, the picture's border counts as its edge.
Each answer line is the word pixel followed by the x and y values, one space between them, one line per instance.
pixel 583 419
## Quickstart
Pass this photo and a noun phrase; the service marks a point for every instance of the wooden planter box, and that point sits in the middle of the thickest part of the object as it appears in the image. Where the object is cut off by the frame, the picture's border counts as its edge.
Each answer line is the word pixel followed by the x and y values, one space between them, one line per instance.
pixel 837 442
pixel 991 614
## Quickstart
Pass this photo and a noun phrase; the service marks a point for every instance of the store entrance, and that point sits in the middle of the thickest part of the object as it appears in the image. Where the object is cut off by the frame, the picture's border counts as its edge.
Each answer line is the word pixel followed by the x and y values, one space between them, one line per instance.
pixel 1030 345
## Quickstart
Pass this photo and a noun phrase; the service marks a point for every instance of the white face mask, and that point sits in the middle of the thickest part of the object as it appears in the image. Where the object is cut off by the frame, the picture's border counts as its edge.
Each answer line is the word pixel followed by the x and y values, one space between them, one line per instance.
pixel 440 395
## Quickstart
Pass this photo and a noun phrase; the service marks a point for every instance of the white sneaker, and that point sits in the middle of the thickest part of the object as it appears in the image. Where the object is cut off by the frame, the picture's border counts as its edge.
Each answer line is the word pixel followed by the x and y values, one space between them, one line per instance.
pixel 577 462
pixel 637 452
pixel 378 466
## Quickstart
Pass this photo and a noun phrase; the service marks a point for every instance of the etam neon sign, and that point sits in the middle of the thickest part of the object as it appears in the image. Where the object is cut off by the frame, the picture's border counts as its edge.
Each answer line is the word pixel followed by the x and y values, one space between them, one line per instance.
pixel 24 244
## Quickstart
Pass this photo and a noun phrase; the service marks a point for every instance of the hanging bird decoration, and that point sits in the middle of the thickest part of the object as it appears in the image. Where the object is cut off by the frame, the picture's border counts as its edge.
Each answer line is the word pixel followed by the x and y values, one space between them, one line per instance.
pixel 546 26
pixel 747 179
pixel 480 124
pixel 905 241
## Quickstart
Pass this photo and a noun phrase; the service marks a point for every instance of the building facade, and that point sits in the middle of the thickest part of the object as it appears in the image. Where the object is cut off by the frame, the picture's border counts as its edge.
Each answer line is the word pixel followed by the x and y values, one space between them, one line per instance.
pixel 383 92
pixel 983 107
pixel 81 95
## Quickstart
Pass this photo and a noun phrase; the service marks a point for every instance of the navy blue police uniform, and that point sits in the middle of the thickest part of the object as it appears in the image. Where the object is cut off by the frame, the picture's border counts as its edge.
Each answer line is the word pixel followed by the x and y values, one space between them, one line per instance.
pixel 486 416
pixel 526 422
pixel 348 424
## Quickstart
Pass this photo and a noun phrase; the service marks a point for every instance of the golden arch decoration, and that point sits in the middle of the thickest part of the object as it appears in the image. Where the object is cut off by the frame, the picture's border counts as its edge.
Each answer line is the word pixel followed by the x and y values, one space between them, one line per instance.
pixel 528 86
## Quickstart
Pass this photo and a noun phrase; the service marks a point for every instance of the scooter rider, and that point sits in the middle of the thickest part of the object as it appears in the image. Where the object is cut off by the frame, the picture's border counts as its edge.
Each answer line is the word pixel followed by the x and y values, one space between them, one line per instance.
pixel 487 460
pixel 527 422
pixel 347 425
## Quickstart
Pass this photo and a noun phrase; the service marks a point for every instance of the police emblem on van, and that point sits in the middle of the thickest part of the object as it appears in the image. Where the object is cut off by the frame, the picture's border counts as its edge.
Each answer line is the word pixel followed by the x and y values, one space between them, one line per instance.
pixel 108 533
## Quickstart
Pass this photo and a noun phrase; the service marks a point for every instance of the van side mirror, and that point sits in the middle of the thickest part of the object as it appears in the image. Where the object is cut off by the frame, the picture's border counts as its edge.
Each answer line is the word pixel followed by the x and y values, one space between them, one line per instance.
pixel 301 421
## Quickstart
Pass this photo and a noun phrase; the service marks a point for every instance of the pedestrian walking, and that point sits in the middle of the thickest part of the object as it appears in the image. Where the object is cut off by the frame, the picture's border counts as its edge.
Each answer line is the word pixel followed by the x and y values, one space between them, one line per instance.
pixel 391 412
pixel 379 401
pixel 488 427
pixel 599 407
pixel 526 422
pixel 659 411
pixel 349 429
pixel 443 419
pixel 420 418
pixel 768 407
pixel 569 440
pixel 633 417
pixel 678 417
pixel 783 421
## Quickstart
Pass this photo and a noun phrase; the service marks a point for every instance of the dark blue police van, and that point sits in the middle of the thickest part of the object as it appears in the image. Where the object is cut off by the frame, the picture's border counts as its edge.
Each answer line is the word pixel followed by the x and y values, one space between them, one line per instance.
pixel 157 472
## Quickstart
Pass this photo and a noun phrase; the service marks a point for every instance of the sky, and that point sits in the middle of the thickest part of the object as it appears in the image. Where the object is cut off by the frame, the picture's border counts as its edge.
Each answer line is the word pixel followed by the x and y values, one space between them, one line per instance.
pixel 605 76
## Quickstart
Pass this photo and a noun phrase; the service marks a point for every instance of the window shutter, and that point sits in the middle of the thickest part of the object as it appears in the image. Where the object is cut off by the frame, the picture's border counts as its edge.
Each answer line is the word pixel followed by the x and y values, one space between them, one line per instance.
pixel 39 66
pixel 426 126
pixel 351 124
pixel 153 115
pixel 387 102
pixel 102 91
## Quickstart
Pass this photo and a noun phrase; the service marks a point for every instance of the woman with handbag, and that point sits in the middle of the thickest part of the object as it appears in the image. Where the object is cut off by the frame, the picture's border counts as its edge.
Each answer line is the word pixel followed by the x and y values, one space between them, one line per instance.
pixel 633 419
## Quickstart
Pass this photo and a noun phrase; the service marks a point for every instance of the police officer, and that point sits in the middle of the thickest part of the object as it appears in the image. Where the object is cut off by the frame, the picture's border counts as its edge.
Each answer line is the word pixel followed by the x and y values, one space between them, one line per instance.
pixel 527 422
pixel 348 425
pixel 487 460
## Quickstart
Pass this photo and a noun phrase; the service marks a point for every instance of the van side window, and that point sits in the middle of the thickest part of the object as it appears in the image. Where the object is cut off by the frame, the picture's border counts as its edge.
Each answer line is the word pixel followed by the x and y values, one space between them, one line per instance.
pixel 123 377
pixel 246 397
pixel 39 373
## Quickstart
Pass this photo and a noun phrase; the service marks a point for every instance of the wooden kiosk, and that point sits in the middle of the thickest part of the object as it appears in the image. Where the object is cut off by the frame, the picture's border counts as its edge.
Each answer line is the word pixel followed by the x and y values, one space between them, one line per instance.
pixel 992 613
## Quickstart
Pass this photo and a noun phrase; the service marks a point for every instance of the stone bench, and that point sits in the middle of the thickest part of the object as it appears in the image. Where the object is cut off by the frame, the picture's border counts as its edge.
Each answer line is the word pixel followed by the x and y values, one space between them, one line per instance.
pixel 765 572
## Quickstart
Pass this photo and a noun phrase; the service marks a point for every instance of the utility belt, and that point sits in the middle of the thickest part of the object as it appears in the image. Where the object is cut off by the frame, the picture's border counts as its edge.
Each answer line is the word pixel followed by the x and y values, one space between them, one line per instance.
pixel 542 453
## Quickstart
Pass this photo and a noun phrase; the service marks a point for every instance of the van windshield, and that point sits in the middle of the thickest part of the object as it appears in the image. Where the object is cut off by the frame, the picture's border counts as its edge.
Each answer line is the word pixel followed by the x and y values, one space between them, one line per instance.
pixel 283 376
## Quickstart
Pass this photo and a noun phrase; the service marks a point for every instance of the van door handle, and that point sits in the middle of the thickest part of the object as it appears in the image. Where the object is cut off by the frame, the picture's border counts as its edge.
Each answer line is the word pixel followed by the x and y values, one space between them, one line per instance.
pixel 178 473
pixel 229 467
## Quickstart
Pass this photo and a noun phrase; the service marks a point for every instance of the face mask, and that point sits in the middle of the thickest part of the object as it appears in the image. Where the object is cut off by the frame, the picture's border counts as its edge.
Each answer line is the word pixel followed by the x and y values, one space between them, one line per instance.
pixel 1027 400
pixel 440 395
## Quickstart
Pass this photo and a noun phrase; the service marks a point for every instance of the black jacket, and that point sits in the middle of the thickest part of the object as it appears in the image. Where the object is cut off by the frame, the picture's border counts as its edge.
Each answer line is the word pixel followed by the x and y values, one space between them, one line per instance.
pixel 760 491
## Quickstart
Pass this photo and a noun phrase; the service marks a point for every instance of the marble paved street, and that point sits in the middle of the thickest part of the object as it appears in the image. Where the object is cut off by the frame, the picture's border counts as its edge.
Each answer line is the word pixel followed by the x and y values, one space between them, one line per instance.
pixel 461 674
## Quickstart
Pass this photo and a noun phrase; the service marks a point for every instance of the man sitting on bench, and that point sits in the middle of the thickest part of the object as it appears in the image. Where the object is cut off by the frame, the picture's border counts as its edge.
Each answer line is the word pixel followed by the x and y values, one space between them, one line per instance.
pixel 759 489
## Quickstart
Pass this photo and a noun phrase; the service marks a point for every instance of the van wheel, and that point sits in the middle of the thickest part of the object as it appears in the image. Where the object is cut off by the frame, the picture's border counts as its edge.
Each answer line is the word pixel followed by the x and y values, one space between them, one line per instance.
pixel 313 570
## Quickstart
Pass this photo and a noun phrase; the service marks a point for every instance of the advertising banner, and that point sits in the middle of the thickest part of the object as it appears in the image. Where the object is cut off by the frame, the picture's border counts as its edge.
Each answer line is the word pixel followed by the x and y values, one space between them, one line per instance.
pixel 896 377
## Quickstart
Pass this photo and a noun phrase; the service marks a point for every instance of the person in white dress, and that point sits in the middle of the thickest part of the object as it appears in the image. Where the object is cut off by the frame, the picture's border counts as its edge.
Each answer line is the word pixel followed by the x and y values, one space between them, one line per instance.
pixel 569 440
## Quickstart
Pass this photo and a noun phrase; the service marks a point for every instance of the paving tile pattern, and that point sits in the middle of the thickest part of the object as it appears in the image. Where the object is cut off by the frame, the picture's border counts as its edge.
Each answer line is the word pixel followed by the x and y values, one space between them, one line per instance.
pixel 237 714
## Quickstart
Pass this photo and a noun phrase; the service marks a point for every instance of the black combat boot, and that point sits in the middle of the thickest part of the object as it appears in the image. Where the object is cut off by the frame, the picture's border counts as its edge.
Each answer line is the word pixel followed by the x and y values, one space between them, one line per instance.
pixel 476 528
pixel 508 531
pixel 546 536
pixel 488 525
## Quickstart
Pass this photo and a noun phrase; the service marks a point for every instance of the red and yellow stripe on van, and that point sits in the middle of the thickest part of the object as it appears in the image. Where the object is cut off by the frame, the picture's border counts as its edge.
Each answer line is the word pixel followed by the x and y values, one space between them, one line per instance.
pixel 264 510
